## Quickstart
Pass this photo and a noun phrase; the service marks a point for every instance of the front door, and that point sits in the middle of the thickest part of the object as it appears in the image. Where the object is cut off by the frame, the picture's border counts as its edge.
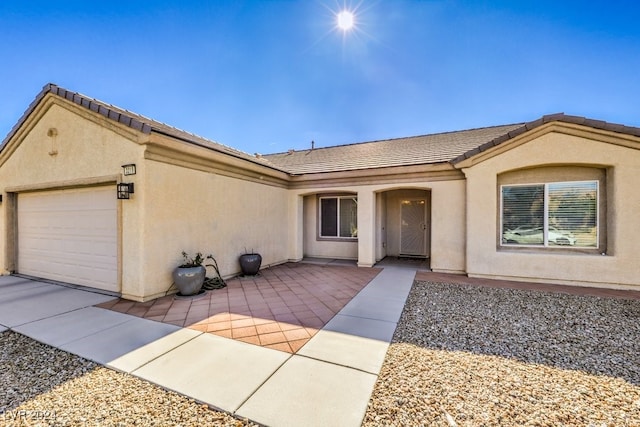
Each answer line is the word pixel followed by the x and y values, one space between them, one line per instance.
pixel 413 227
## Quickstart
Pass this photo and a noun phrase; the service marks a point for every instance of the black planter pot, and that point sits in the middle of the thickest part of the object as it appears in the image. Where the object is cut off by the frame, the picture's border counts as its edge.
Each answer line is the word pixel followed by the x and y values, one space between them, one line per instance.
pixel 250 264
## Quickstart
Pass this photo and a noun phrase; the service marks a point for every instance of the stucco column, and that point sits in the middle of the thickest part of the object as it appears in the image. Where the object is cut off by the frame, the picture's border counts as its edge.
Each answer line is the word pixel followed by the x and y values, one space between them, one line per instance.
pixel 296 227
pixel 366 228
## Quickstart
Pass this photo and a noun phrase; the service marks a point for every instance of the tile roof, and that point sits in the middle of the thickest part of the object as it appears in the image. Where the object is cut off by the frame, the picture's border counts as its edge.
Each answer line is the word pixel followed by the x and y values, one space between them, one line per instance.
pixel 132 120
pixel 558 117
pixel 452 147
pixel 416 150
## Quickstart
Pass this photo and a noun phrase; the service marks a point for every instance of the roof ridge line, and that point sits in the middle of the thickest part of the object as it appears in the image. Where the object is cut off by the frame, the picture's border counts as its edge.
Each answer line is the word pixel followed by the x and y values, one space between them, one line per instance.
pixel 397 138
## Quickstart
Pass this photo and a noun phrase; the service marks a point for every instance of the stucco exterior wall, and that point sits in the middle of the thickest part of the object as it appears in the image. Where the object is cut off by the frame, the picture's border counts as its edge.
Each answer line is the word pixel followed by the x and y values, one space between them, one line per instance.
pixel 323 248
pixel 196 211
pixel 618 268
pixel 64 146
pixel 447 241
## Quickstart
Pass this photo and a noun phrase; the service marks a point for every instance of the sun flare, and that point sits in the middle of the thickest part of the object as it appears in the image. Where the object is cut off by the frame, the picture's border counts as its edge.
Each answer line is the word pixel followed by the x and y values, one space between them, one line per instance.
pixel 345 20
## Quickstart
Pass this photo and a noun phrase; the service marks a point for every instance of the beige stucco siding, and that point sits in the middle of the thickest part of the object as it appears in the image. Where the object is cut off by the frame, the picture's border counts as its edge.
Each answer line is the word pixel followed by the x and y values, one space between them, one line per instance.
pixel 617 268
pixel 323 248
pixel 76 149
pixel 195 211
pixel 62 145
pixel 447 237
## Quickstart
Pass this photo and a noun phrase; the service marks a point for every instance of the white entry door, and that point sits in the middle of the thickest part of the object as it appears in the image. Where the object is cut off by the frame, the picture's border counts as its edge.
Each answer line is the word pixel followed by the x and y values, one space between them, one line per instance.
pixel 413 227
pixel 70 236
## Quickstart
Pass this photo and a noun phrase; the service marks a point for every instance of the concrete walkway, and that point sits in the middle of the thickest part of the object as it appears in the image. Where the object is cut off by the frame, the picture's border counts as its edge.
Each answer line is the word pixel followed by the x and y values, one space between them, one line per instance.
pixel 328 382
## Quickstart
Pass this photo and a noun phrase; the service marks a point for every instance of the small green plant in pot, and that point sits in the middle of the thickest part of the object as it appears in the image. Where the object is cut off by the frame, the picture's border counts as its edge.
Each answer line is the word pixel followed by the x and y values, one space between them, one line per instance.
pixel 189 276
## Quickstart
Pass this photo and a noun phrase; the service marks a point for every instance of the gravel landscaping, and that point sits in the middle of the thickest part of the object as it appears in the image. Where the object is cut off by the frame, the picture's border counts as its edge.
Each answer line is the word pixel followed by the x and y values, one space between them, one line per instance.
pixel 461 356
pixel 476 356
pixel 44 386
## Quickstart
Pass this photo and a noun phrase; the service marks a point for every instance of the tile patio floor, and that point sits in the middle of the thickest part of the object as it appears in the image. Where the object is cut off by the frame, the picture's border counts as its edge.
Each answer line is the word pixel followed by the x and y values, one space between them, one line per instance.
pixel 282 308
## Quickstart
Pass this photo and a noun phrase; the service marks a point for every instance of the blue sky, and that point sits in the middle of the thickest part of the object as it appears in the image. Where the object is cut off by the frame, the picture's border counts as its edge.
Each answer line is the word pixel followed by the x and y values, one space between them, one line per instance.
pixel 267 76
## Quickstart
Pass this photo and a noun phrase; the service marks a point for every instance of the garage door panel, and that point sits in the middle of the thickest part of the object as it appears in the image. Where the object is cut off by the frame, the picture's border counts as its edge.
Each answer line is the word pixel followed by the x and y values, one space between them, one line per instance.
pixel 69 236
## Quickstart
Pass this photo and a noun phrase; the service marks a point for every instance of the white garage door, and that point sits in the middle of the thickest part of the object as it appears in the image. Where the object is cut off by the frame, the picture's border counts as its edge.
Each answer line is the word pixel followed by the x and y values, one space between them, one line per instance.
pixel 70 236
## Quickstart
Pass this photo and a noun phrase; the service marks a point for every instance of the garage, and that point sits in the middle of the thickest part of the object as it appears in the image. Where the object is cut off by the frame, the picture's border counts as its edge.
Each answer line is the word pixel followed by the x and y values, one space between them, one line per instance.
pixel 69 236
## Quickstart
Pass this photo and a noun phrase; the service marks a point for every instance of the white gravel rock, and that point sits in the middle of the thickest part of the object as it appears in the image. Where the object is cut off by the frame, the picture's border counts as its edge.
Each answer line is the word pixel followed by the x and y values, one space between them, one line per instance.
pixel 475 356
pixel 44 386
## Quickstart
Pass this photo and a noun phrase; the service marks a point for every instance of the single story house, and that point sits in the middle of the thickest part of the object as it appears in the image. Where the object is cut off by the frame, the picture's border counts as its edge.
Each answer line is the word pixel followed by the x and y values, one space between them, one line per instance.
pixel 554 200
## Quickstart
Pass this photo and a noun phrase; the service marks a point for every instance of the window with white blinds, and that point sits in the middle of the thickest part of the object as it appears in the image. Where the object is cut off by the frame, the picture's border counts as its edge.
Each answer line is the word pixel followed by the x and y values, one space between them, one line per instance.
pixel 550 215
pixel 339 217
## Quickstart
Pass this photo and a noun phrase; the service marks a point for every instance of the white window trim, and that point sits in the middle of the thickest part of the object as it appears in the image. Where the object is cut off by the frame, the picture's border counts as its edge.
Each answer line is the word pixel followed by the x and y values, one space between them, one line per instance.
pixel 545 244
pixel 338 237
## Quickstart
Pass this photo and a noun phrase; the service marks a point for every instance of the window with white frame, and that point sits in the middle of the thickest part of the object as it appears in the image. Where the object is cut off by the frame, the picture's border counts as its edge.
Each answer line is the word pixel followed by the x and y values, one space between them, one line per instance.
pixel 550 215
pixel 339 217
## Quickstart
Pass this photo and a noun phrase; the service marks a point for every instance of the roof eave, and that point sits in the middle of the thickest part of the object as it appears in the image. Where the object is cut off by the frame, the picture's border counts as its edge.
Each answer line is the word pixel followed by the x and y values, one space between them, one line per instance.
pixel 549 118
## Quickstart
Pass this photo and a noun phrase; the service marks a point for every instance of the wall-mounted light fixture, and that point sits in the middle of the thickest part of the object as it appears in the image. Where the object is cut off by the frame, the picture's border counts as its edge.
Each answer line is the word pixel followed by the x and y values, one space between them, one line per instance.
pixel 129 169
pixel 124 190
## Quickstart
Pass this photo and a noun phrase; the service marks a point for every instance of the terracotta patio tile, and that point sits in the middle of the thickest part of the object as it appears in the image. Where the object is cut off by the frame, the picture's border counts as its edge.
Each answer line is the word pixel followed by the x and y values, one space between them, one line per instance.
pixel 286 317
pixel 199 308
pixel 163 301
pixel 261 312
pixel 236 316
pixel 225 333
pixel 296 334
pixel 175 318
pixel 273 338
pixel 137 311
pixel 218 326
pixel 198 314
pixel 285 326
pixel 262 321
pixel 242 323
pixel 297 307
pixel 108 304
pixel 235 308
pixel 283 346
pixel 189 321
pixel 219 317
pixel 312 322
pixel 303 314
pixel 244 332
pixel 297 344
pixel 176 310
pixel 254 296
pixel 246 312
pixel 280 309
pixel 201 328
pixel 251 340
pixel 181 303
pixel 268 328
pixel 122 307
pixel 286 303
pixel 311 331
pixel 220 313
pixel 325 317
pixel 175 322
pixel 155 312
pixel 196 320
